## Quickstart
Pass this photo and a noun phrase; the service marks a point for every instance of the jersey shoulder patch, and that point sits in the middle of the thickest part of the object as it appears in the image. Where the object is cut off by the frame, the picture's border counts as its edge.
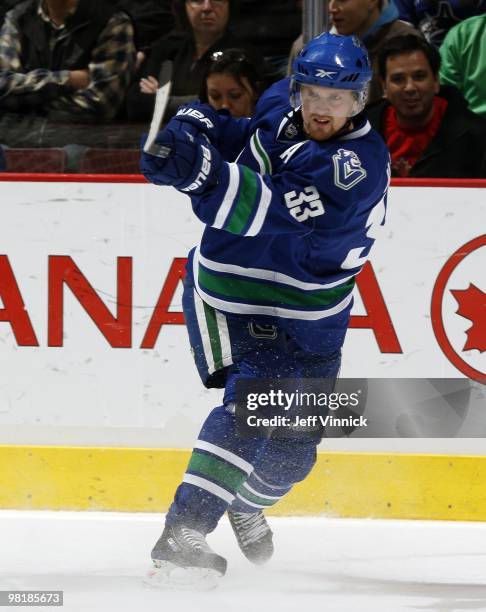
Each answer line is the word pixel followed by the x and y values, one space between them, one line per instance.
pixel 348 170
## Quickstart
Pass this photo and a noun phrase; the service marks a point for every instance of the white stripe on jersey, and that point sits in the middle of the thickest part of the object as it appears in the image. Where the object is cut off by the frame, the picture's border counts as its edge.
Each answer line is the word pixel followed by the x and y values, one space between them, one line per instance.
pixel 261 213
pixel 224 338
pixel 225 454
pixel 256 154
pixel 275 311
pixel 204 331
pixel 263 274
pixel 229 196
pixel 207 485
pixel 358 133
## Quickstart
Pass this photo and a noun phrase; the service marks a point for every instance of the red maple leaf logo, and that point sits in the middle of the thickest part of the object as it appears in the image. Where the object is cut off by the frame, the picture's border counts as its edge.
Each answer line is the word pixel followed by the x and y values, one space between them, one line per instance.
pixel 472 306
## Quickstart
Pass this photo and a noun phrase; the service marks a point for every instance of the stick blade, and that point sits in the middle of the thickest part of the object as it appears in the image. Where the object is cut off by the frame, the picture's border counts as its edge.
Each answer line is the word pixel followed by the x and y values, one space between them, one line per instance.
pixel 161 101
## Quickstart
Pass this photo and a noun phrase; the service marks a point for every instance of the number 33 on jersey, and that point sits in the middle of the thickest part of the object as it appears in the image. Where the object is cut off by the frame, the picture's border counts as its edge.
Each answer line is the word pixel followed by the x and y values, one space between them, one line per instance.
pixel 305 204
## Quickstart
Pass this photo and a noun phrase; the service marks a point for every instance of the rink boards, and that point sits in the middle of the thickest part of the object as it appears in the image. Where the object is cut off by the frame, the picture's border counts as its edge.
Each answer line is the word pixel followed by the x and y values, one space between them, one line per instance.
pixel 342 484
pixel 96 372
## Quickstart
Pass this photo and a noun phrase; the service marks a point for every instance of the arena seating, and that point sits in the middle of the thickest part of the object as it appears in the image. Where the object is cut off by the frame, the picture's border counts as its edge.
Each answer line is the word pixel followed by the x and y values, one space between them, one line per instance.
pixel 35 160
pixel 110 161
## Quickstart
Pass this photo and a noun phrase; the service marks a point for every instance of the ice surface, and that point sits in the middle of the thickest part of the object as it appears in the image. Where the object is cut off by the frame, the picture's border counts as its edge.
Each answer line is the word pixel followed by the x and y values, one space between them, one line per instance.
pixel 333 565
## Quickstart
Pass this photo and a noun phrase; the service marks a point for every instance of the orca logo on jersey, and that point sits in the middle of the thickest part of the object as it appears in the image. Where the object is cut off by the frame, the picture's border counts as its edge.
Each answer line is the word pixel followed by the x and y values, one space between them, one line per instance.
pixel 348 170
pixel 324 74
pixel 192 112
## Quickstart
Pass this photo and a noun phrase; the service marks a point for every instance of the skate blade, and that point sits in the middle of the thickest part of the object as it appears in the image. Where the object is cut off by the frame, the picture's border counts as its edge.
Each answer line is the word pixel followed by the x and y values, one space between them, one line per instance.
pixel 167 576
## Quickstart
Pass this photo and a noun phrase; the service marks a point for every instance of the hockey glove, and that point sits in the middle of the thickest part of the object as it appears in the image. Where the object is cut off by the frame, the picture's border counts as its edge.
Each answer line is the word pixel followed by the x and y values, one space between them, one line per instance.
pixel 197 119
pixel 191 165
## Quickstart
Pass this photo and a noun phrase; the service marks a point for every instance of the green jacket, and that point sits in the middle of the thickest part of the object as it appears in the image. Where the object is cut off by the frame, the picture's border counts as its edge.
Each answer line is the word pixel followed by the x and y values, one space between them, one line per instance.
pixel 463 54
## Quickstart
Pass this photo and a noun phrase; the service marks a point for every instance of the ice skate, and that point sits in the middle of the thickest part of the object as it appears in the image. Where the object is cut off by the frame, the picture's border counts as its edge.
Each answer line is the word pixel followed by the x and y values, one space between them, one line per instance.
pixel 253 534
pixel 183 560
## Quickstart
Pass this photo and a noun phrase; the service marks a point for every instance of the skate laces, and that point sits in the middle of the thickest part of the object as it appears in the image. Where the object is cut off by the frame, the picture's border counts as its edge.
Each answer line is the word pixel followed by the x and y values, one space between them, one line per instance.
pixel 250 526
pixel 195 539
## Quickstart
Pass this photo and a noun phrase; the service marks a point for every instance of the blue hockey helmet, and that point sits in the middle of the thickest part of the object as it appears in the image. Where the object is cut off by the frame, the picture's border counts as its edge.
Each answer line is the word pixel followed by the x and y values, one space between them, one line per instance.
pixel 332 61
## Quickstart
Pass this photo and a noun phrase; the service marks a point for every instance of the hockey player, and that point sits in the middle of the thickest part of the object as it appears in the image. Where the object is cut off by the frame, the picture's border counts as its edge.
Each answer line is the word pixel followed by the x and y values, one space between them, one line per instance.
pixel 268 291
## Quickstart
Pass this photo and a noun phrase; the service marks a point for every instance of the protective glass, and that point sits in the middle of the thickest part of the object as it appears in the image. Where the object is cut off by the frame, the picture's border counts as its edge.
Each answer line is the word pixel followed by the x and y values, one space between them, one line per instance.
pixel 328 101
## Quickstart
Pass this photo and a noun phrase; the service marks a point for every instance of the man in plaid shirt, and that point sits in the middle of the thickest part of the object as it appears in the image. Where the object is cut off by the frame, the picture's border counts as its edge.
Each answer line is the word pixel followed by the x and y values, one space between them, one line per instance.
pixel 65 59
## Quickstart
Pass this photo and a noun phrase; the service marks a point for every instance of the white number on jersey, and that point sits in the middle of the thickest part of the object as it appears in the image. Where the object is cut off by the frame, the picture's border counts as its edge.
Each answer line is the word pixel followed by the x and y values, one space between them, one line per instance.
pixel 373 224
pixel 305 204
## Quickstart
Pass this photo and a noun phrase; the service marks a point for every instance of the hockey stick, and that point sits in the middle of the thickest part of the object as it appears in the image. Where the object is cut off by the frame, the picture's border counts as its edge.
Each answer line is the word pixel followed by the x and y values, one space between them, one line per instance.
pixel 161 101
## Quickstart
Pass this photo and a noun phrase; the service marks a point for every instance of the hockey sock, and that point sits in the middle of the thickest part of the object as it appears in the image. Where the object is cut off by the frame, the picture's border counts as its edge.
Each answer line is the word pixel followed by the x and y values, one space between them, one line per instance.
pixel 255 494
pixel 283 463
pixel 220 463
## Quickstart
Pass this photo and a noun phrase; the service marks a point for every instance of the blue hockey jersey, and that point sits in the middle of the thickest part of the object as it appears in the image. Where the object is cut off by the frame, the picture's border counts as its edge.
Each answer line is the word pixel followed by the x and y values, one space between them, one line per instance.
pixel 290 223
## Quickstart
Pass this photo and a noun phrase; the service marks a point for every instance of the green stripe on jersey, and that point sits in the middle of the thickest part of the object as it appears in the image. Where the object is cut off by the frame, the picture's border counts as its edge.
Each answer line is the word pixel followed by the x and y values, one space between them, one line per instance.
pixel 217 469
pixel 232 287
pixel 261 501
pixel 214 339
pixel 246 202
pixel 263 154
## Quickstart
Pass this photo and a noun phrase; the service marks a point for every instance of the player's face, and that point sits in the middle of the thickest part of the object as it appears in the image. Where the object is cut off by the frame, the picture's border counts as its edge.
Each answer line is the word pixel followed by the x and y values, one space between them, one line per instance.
pixel 207 16
pixel 325 110
pixel 224 91
pixel 353 16
pixel 410 86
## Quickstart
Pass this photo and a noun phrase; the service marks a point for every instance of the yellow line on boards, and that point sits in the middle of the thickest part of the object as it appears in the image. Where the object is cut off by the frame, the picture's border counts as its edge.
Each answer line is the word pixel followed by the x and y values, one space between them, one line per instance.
pixel 342 484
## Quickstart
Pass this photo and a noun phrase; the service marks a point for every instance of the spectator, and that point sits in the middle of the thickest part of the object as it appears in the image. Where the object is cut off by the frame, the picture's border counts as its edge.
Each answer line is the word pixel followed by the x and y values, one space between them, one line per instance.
pixel 2 160
pixel 270 27
pixel 5 6
pixel 206 27
pixel 65 59
pixel 152 19
pixel 373 21
pixel 428 130
pixel 434 19
pixel 464 61
pixel 232 82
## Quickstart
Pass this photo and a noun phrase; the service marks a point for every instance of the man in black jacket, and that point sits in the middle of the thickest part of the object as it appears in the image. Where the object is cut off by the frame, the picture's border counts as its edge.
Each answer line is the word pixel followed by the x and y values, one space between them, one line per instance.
pixel 67 59
pixel 203 27
pixel 428 129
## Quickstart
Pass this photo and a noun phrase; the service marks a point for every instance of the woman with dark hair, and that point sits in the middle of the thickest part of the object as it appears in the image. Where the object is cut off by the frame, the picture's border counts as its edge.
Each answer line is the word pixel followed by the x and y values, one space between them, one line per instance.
pixel 233 82
pixel 204 26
